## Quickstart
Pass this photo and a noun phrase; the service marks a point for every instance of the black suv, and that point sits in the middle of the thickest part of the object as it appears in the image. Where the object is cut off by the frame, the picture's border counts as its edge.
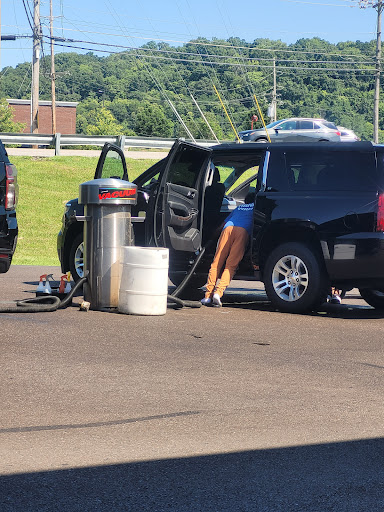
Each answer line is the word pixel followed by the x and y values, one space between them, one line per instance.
pixel 8 200
pixel 318 221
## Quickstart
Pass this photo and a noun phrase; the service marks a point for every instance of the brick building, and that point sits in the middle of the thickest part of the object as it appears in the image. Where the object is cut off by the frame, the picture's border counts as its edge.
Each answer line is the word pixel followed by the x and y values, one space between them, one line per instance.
pixel 65 115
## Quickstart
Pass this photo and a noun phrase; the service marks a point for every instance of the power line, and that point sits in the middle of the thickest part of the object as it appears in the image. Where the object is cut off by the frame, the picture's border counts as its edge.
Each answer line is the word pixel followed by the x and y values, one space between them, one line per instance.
pixel 211 62
pixel 199 41
pixel 211 55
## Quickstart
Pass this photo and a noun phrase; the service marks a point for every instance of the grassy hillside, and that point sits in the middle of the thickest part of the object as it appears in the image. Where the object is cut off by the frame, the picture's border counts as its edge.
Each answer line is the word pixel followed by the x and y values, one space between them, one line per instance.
pixel 46 184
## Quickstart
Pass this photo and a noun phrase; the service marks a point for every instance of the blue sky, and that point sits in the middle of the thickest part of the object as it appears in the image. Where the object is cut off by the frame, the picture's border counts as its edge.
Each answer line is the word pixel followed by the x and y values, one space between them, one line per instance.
pixel 135 22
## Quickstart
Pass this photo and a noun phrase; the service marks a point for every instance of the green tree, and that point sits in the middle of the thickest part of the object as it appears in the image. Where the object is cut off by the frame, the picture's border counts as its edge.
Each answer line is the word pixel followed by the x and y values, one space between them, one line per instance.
pixel 7 125
pixel 150 120
pixel 105 124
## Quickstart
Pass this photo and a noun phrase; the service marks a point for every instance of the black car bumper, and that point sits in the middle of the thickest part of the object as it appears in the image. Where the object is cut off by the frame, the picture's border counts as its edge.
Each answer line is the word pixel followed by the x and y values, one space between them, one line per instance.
pixel 357 258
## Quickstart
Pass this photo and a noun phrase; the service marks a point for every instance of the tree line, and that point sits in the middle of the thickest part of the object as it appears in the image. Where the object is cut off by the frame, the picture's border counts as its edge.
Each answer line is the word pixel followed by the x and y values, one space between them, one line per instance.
pixel 136 92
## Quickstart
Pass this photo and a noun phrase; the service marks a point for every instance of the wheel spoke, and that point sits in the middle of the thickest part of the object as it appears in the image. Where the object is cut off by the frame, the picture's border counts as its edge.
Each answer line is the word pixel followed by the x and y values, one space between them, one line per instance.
pixel 283 289
pixel 282 268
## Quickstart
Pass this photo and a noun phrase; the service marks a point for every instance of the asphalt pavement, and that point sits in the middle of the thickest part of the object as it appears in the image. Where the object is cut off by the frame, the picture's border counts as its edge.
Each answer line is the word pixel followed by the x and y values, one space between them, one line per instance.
pixel 239 408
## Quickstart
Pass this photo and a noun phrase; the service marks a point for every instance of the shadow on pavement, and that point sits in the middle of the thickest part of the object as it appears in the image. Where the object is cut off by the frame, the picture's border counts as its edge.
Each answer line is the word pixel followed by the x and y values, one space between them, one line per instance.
pixel 256 299
pixel 339 477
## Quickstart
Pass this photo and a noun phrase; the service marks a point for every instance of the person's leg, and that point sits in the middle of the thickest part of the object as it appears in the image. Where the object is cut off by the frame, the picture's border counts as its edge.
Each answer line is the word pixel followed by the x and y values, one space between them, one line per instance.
pixel 238 244
pixel 221 254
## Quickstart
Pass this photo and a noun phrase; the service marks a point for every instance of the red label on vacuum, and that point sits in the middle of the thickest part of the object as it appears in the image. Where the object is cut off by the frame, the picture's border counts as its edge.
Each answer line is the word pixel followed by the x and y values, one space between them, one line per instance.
pixel 113 193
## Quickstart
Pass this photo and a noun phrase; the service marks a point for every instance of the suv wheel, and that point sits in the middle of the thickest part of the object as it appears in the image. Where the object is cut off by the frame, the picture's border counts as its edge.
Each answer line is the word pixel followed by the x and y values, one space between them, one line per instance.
pixel 294 279
pixel 76 258
pixel 5 263
pixel 374 298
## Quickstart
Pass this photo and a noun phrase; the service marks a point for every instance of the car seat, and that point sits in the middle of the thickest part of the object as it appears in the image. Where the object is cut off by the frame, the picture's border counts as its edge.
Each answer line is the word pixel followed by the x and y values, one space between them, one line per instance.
pixel 213 199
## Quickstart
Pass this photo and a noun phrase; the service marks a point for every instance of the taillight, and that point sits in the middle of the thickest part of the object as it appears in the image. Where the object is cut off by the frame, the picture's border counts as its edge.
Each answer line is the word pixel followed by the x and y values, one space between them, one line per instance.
pixel 338 133
pixel 380 214
pixel 10 187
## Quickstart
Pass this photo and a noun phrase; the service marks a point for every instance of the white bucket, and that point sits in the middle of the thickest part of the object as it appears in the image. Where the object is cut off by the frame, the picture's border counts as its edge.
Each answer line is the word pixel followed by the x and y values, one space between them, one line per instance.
pixel 144 281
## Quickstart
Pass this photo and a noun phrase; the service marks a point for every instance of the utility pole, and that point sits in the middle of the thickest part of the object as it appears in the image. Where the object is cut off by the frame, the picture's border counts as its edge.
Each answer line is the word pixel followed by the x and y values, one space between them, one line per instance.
pixel 274 98
pixel 35 67
pixel 53 74
pixel 378 5
pixel 0 35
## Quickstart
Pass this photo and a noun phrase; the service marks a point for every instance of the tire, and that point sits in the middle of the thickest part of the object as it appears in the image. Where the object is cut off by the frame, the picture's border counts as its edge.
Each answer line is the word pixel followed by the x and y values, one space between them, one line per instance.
pixel 294 278
pixel 5 263
pixel 76 258
pixel 262 140
pixel 374 298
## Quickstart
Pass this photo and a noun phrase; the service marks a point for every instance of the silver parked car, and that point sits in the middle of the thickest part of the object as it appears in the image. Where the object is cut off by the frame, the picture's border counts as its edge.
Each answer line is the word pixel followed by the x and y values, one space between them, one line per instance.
pixel 295 129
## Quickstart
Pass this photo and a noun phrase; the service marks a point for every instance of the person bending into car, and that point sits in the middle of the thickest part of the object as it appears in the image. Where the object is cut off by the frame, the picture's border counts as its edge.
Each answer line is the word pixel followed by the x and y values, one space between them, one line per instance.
pixel 230 250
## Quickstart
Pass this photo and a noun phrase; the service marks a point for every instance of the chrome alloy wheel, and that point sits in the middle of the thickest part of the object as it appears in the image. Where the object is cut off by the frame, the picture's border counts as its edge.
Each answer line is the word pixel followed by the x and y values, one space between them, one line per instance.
pixel 290 278
pixel 79 260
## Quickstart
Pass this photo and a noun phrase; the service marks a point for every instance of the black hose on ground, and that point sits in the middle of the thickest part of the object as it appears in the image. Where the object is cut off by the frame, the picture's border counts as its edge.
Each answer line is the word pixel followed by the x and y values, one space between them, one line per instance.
pixel 42 304
pixel 183 303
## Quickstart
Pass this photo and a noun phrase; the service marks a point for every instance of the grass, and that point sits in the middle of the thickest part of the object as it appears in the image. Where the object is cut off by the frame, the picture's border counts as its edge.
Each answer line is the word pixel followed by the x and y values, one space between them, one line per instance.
pixel 46 184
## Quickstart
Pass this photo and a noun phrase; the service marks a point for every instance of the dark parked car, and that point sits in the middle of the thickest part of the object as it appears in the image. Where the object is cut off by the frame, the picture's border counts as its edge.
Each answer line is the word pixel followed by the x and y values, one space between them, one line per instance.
pixel 8 200
pixel 295 129
pixel 318 218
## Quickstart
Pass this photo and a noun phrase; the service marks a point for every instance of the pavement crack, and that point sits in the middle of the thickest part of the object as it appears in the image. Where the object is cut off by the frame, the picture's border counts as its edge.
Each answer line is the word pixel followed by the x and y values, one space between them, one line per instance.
pixel 41 428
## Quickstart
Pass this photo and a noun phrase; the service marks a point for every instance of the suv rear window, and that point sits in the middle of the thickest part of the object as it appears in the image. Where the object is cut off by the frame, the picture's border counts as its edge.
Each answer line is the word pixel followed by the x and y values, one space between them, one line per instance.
pixel 331 171
pixel 305 125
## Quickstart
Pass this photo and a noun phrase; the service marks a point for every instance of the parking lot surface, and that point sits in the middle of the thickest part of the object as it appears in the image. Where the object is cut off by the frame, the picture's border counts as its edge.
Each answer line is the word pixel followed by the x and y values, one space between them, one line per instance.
pixel 212 409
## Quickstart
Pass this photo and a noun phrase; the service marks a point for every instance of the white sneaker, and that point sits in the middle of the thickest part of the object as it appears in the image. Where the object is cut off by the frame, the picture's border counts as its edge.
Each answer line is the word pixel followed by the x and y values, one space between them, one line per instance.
pixel 216 300
pixel 207 301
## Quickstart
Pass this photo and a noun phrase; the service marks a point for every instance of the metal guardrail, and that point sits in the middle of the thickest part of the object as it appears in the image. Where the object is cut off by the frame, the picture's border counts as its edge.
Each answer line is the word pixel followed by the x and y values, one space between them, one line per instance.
pixel 59 140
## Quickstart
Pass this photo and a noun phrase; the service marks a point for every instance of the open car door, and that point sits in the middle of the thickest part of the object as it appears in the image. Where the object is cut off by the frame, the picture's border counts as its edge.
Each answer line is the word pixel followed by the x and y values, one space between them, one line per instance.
pixel 111 163
pixel 178 205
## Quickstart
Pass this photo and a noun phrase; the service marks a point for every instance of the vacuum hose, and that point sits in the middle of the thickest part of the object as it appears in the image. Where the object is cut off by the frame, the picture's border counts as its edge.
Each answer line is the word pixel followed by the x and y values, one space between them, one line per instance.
pixel 174 295
pixel 42 304
pixel 48 303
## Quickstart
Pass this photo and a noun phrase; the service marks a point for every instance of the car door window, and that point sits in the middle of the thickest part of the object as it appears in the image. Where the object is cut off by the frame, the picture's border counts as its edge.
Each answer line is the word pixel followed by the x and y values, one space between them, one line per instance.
pixel 244 179
pixel 178 205
pixel 111 163
pixel 337 171
pixel 113 166
pixel 287 125
pixel 306 125
pixel 182 170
